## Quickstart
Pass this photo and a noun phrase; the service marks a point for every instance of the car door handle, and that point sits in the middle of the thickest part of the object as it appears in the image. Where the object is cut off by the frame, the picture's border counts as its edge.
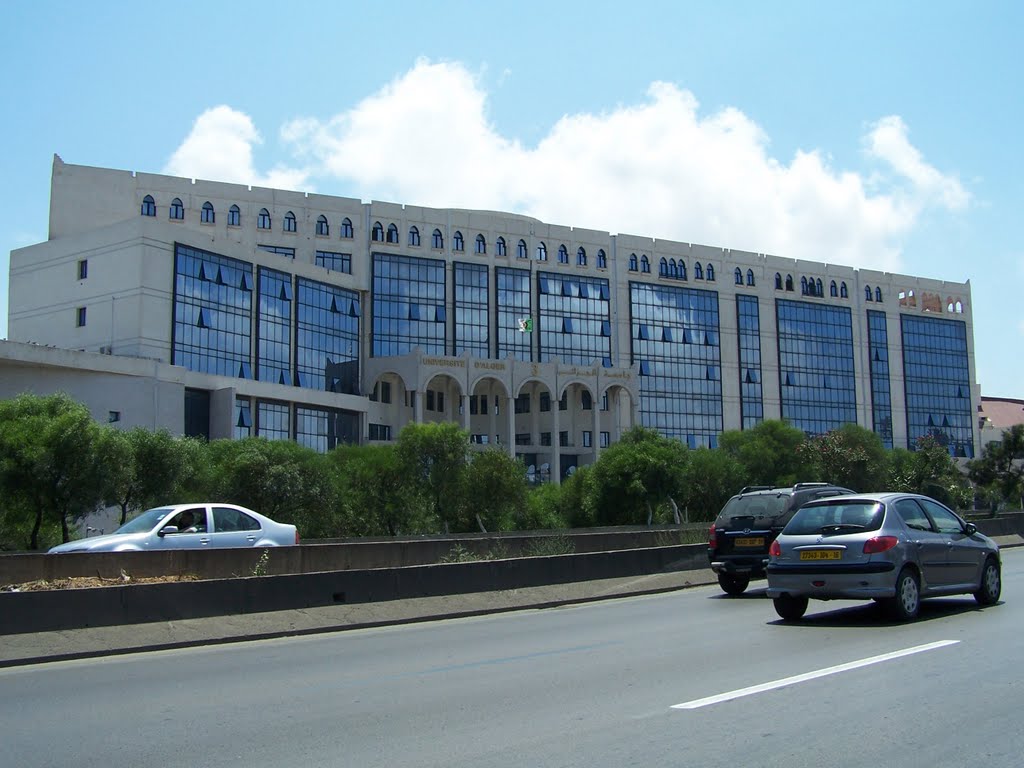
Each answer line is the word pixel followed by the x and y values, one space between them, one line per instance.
pixel 204 540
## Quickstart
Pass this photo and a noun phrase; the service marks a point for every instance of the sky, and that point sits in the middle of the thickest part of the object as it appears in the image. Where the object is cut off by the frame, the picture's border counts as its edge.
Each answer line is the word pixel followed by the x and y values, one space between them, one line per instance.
pixel 877 135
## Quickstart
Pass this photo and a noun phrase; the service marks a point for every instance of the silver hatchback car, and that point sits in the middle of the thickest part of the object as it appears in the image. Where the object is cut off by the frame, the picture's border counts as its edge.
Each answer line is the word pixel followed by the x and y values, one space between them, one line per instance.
pixel 895 548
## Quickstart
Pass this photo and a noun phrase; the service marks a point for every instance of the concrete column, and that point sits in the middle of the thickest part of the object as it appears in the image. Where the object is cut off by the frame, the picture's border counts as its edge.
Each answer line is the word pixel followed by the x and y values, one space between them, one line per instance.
pixel 465 412
pixel 510 410
pixel 492 419
pixel 417 406
pixel 556 445
pixel 596 435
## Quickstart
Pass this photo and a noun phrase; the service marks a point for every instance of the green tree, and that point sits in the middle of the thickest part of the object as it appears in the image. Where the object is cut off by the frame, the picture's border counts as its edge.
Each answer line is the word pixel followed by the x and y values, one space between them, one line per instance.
pixel 633 480
pixel 544 508
pixel 377 500
pixel 146 468
pixel 1000 469
pixel 498 490
pixel 435 457
pixel 929 470
pixel 850 456
pixel 710 478
pixel 768 452
pixel 50 462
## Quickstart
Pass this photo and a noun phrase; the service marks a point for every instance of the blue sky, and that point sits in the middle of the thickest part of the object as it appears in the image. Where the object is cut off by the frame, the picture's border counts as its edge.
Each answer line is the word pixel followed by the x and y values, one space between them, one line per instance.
pixel 874 134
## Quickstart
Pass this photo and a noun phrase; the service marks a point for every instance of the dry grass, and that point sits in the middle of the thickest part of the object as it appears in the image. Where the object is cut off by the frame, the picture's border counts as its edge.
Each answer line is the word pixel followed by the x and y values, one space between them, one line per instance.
pixel 89 582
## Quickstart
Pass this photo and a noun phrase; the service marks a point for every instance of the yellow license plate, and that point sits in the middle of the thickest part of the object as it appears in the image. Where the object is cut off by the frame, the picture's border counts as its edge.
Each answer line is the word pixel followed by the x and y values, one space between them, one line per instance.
pixel 821 554
pixel 750 541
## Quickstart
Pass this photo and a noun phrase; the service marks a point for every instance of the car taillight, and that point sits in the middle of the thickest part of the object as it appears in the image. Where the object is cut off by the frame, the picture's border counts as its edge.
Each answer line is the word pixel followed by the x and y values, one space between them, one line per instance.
pixel 775 550
pixel 880 544
pixel 712 537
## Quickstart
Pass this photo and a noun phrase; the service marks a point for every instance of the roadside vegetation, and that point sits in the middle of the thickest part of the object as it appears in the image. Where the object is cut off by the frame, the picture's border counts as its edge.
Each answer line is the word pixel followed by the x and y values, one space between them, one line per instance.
pixel 57 465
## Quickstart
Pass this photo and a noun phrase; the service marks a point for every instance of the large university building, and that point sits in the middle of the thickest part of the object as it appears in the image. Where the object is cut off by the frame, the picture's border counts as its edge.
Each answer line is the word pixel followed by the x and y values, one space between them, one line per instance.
pixel 224 310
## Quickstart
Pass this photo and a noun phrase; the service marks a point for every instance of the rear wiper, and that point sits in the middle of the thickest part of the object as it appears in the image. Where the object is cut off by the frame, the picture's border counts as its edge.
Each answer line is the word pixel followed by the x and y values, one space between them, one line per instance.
pixel 842 527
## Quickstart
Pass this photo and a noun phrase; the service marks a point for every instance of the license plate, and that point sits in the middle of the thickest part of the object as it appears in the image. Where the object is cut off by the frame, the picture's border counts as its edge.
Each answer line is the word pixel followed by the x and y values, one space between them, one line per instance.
pixel 821 554
pixel 749 541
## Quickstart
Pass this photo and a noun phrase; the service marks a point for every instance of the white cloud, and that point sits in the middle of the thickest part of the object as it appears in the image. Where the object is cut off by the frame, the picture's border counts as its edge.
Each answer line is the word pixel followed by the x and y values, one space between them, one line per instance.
pixel 658 168
pixel 220 147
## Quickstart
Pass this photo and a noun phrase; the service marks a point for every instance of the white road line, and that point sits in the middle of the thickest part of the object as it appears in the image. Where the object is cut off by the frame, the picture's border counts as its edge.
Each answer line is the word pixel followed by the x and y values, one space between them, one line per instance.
pixel 697 703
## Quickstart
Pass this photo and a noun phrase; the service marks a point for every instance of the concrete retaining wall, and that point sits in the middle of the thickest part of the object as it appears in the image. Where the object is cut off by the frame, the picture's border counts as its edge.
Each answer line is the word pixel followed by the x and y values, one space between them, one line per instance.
pixel 104 606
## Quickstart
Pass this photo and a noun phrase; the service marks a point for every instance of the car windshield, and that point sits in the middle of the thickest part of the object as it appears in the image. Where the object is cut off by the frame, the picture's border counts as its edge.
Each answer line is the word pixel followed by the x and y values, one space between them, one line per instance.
pixel 146 521
pixel 759 505
pixel 836 518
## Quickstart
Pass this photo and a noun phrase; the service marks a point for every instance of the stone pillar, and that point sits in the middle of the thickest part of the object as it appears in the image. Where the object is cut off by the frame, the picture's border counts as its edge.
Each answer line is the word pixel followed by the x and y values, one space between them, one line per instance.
pixel 510 410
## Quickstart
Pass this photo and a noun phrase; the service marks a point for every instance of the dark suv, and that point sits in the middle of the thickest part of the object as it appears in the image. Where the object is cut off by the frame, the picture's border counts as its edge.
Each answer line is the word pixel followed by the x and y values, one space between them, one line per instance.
pixel 739 538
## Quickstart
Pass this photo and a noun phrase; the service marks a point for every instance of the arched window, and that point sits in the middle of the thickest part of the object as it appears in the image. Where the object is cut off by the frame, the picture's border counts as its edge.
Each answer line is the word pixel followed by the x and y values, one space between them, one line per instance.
pixel 663 267
pixel 645 264
pixel 437 240
pixel 521 250
pixel 234 216
pixel 803 286
pixel 709 272
pixel 207 215
pixel 377 233
pixel 818 289
pixel 481 244
pixel 843 293
pixel 959 308
pixel 738 276
pixel 347 231
pixel 289 222
pixel 878 294
pixel 789 282
pixel 177 210
pixel 750 277
pixel 148 206
pixel 833 289
pixel 393 233
pixel 581 257
pixel 414 236
pixel 602 259
pixel 563 255
pixel 633 263
pixel 867 293
pixel 458 244
pixel 682 270
pixel 500 247
pixel 542 252
pixel 263 220
pixel 698 271
pixel 778 282
pixel 323 229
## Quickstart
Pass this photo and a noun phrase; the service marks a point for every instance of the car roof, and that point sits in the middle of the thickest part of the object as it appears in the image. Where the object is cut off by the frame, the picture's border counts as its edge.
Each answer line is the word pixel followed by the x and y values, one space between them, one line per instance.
pixel 876 496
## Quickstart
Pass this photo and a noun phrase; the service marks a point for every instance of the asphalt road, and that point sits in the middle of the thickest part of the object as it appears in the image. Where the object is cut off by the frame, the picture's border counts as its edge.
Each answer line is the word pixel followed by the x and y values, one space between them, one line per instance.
pixel 689 678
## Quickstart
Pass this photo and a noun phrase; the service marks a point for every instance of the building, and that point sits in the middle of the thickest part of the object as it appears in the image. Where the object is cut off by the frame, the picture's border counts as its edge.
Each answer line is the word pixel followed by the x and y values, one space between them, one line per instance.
pixel 225 310
pixel 996 415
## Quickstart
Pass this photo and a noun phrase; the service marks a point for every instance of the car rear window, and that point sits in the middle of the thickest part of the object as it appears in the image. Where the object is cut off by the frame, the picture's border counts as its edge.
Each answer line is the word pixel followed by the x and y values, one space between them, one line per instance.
pixel 760 505
pixel 837 518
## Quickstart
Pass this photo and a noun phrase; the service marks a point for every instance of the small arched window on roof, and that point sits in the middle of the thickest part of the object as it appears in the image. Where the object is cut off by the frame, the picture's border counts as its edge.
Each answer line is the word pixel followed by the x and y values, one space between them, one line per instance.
pixel 393 234
pixel 633 264
pixel 663 267
pixel 521 250
pixel 878 294
pixel 682 270
pixel 738 276
pixel 645 264
pixel 803 286
pixel 323 229
pixel 542 252
pixel 148 206
pixel 234 216
pixel 581 257
pixel 867 293
pixel 207 214
pixel 501 247
pixel 818 289
pixel 698 272
pixel 347 231
pixel 263 220
pixel 377 233
pixel 602 259
pixel 289 222
pixel 959 307
pixel 750 277
pixel 481 244
pixel 778 282
pixel 563 254
pixel 843 293
pixel 414 236
pixel 458 244
pixel 437 240
pixel 709 272
pixel 177 210
pixel 789 282
pixel 833 289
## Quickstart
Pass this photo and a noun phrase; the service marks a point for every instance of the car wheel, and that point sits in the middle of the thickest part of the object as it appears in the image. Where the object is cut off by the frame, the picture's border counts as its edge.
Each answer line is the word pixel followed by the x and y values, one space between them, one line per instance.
pixel 991 584
pixel 790 608
pixel 907 602
pixel 733 585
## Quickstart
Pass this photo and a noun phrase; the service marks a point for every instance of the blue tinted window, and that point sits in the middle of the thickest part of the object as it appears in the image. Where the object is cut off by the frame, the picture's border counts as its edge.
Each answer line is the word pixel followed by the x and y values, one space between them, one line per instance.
pixel 327 339
pixel 323 429
pixel 571 312
pixel 273 420
pixel 273 346
pixel 513 305
pixel 881 399
pixel 336 262
pixel 748 325
pixel 408 305
pixel 680 371
pixel 471 307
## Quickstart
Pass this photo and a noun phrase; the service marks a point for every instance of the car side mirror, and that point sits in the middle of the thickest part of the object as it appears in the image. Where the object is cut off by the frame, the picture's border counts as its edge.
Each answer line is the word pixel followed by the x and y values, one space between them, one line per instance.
pixel 970 529
pixel 167 529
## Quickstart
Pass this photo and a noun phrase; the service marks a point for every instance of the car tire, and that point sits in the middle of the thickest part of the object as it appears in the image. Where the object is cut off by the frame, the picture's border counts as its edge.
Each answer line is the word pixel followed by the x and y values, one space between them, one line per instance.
pixel 907 601
pixel 991 583
pixel 790 608
pixel 733 585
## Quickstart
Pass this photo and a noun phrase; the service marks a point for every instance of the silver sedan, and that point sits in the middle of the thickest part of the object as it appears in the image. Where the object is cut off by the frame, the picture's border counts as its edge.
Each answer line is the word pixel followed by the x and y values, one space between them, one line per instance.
pixel 895 548
pixel 189 526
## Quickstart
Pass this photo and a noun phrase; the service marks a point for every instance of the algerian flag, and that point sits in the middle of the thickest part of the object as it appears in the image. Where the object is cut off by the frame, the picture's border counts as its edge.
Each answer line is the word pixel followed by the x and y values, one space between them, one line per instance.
pixel 526 325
